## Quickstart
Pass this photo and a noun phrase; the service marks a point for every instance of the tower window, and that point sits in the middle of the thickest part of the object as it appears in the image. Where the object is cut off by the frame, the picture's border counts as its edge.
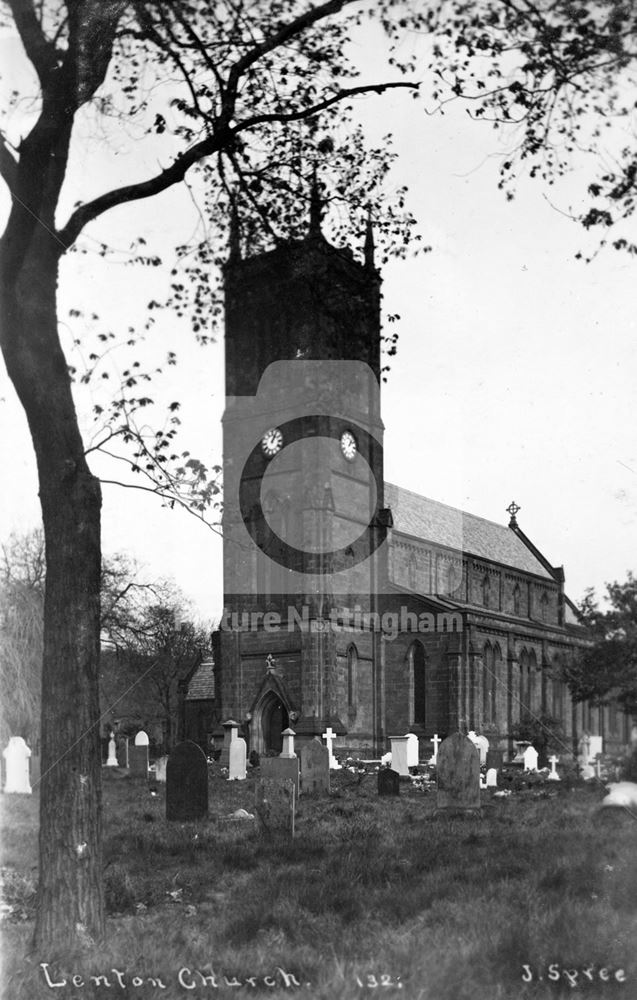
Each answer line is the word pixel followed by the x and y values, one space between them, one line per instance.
pixel 352 679
pixel 485 586
pixel 418 682
pixel 516 599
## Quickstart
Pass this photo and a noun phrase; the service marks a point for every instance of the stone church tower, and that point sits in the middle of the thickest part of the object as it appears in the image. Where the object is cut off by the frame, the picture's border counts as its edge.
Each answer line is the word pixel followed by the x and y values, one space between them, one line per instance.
pixel 304 516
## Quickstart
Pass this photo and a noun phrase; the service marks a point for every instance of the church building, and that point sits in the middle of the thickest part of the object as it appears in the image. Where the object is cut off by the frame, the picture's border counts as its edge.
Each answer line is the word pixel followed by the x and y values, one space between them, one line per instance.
pixel 350 602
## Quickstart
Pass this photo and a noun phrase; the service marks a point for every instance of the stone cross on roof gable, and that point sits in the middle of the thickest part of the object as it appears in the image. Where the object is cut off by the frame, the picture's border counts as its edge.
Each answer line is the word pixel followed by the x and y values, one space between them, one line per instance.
pixel 513 509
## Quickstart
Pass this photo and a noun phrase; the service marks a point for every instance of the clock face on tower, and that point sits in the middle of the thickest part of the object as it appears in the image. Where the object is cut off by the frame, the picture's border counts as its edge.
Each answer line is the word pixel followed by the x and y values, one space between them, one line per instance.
pixel 272 442
pixel 348 445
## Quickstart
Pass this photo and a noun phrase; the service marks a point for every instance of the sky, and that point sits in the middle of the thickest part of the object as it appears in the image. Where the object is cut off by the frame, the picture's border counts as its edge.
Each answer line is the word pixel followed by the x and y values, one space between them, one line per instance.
pixel 514 378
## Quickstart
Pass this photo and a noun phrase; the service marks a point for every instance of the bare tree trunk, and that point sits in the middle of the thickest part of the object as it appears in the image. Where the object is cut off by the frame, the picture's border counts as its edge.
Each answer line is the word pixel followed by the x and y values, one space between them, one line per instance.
pixel 70 900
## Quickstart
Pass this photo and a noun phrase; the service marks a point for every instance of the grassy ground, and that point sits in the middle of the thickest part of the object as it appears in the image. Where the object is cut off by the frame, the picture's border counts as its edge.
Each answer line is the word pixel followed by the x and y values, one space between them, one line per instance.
pixel 373 897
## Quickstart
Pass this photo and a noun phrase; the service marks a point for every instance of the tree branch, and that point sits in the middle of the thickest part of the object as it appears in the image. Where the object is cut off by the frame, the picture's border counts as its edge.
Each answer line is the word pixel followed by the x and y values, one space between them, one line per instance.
pixel 8 164
pixel 291 116
pixel 41 53
pixel 143 189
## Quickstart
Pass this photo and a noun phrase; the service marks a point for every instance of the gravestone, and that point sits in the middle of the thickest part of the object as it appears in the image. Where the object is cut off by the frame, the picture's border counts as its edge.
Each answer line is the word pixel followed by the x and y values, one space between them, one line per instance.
pixel 492 778
pixel 122 753
pixel 280 769
pixel 329 736
pixel 16 766
pixel 458 774
pixel 315 768
pixel 141 740
pixel 399 754
pixel 160 769
pixel 553 776
pixel 237 759
pixel 186 783
pixel 275 804
pixel 482 743
pixel 412 750
pixel 230 733
pixel 112 752
pixel 138 761
pixel 530 759
pixel 287 749
pixel 388 782
pixel 436 742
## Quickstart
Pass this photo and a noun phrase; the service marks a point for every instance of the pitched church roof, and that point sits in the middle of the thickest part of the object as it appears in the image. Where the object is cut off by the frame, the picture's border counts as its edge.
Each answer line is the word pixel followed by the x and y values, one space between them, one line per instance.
pixel 456 529
pixel 201 686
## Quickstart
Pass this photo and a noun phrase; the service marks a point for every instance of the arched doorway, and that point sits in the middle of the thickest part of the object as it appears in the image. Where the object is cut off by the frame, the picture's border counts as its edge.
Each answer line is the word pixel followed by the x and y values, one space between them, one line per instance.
pixel 270 719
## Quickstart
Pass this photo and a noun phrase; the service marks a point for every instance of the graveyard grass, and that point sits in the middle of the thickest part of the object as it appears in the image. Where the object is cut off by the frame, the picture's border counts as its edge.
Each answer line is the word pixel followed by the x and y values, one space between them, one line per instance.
pixel 444 908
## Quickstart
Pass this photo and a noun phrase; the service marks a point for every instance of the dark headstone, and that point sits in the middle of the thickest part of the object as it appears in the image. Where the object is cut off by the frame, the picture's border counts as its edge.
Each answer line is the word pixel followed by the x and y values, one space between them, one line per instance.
pixel 275 804
pixel 280 768
pixel 315 768
pixel 138 761
pixel 186 783
pixel 458 774
pixel 121 752
pixel 388 782
pixel 495 758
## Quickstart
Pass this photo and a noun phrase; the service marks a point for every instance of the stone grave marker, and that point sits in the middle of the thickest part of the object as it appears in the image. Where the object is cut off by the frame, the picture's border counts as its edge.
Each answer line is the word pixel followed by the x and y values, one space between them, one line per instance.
pixel 315 768
pixel 186 783
pixel 553 776
pixel 412 750
pixel 160 769
pixel 436 742
pixel 530 759
pixel 329 736
pixel 280 769
pixel 230 733
pixel 482 743
pixel 112 752
pixel 141 739
pixel 287 749
pixel 492 778
pixel 388 782
pixel 399 754
pixel 16 766
pixel 458 774
pixel 275 804
pixel 237 759
pixel 122 753
pixel 138 761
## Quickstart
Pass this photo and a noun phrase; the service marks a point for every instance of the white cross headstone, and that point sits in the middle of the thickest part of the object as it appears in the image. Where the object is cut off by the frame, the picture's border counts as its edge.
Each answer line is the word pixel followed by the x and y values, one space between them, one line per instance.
pixel 412 750
pixel 329 736
pixel 141 740
pixel 530 759
pixel 553 776
pixel 16 756
pixel 112 752
pixel 436 742
pixel 288 743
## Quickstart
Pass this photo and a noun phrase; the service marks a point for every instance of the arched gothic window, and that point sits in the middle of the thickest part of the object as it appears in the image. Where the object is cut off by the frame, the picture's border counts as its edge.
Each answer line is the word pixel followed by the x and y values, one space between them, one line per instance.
pixel 352 680
pixel 418 682
pixel 412 571
pixel 516 599
pixel 488 661
pixel 485 585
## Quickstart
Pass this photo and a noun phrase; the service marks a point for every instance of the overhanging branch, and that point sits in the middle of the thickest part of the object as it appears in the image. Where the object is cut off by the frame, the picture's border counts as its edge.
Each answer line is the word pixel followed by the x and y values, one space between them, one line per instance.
pixel 8 164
